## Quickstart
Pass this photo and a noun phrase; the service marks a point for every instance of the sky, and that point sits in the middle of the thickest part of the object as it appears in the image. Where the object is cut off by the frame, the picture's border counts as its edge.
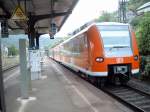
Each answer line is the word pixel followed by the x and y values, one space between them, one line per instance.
pixel 86 10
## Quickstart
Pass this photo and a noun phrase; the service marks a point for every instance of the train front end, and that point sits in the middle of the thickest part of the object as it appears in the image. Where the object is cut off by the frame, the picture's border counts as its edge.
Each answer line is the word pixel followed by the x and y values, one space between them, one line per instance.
pixel 120 51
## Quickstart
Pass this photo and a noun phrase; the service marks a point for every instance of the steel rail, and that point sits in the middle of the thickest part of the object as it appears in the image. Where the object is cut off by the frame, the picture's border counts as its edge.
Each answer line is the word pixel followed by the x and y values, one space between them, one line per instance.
pixel 129 99
pixel 10 68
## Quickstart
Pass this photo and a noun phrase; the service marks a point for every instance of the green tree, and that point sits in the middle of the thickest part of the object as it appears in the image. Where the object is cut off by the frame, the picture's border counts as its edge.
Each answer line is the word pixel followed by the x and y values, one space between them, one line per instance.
pixel 12 50
pixel 144 34
pixel 107 17
pixel 135 22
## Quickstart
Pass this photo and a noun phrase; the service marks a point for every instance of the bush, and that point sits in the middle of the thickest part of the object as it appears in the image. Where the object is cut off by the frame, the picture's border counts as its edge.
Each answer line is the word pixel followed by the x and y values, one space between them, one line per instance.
pixel 144 35
pixel 107 17
pixel 12 51
pixel 146 74
pixel 143 62
pixel 145 68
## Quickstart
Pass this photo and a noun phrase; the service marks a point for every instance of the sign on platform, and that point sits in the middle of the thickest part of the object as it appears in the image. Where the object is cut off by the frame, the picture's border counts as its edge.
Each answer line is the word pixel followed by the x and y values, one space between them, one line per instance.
pixel 18 14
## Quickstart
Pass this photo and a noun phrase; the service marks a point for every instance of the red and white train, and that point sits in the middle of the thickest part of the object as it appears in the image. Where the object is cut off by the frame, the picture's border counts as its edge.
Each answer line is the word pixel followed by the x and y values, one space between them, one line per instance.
pixel 101 50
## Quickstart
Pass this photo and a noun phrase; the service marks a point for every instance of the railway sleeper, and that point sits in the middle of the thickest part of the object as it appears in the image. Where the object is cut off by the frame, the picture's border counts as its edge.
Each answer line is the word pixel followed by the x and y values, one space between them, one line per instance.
pixel 120 90
pixel 145 107
pixel 129 95
pixel 141 102
pixel 124 93
pixel 135 99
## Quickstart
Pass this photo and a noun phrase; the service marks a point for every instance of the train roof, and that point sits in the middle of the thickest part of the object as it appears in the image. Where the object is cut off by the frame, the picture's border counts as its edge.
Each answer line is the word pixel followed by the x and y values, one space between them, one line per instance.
pixel 111 23
pixel 80 32
pixel 87 26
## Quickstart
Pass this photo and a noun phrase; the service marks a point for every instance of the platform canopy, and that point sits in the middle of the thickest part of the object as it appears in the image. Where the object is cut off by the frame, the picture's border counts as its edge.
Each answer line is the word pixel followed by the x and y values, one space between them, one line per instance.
pixel 40 13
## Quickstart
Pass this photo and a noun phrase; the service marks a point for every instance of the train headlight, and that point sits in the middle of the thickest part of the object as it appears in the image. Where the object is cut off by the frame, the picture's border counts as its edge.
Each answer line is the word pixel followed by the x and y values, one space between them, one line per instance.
pixel 136 57
pixel 99 59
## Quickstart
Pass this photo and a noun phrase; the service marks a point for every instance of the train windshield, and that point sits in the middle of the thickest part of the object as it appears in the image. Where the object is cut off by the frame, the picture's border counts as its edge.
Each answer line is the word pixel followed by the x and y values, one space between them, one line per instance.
pixel 116 38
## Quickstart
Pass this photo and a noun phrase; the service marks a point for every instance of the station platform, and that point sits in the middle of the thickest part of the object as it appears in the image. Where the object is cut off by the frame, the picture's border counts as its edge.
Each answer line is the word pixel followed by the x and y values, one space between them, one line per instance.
pixel 62 91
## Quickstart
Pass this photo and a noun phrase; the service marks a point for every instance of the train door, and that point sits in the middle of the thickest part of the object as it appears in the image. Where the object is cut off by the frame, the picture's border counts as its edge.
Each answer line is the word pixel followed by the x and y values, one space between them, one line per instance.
pixel 86 47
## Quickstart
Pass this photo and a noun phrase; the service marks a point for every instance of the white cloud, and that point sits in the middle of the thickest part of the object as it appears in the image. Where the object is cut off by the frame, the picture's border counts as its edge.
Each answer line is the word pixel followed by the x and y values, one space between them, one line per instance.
pixel 85 11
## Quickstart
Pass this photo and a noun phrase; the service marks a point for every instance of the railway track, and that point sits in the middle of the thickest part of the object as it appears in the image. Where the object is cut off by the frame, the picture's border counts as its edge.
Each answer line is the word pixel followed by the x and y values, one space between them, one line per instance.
pixel 135 99
pixel 10 68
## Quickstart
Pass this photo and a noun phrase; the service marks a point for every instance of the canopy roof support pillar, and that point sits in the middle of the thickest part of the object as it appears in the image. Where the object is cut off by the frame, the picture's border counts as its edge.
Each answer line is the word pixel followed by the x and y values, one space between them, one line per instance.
pixel 2 96
pixel 31 32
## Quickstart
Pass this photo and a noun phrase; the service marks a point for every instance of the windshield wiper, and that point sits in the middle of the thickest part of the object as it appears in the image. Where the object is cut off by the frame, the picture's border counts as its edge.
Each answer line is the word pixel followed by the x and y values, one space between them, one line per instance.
pixel 120 46
pixel 125 46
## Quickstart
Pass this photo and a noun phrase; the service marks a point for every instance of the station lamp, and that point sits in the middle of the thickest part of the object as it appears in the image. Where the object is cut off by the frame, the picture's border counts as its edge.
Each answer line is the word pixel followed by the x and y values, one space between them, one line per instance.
pixel 4 29
pixel 53 29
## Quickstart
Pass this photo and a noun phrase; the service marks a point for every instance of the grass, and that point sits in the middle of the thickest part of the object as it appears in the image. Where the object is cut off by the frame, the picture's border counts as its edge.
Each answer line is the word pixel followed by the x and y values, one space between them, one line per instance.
pixel 9 61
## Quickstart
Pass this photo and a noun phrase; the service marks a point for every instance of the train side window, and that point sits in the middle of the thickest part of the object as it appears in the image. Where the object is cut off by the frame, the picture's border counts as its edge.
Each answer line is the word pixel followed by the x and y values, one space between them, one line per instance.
pixel 67 49
pixel 81 43
pixel 75 47
pixel 85 41
pixel 61 50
